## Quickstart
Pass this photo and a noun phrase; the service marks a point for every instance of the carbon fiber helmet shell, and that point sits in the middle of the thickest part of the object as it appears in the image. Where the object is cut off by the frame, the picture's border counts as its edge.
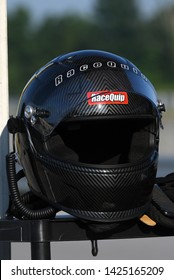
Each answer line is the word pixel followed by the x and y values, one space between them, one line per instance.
pixel 91 135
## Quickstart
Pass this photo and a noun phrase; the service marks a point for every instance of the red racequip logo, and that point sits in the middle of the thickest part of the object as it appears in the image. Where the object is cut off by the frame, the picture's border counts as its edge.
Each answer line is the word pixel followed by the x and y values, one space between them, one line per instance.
pixel 107 97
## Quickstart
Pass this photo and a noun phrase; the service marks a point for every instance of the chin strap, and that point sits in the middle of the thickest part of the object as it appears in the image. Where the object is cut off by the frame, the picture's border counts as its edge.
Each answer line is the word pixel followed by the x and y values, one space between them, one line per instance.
pixel 161 210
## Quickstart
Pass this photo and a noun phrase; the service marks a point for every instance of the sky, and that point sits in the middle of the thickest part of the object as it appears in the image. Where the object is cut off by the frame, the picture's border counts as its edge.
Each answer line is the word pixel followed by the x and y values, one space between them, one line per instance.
pixel 43 8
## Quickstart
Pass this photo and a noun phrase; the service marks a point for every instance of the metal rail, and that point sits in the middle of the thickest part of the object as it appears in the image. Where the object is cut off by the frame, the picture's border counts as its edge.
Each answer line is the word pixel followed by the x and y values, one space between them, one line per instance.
pixel 41 232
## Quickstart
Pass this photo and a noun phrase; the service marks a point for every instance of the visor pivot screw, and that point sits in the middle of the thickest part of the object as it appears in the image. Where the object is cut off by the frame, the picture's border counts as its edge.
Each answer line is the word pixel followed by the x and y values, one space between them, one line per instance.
pixel 29 111
pixel 161 106
pixel 33 120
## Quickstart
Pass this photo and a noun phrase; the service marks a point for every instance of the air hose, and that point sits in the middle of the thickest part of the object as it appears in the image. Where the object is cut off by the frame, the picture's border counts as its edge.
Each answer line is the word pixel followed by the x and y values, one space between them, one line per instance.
pixel 22 210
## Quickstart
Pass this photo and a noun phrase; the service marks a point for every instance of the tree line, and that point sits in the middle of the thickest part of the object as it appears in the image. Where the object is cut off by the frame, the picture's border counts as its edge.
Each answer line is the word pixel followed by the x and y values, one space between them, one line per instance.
pixel 115 26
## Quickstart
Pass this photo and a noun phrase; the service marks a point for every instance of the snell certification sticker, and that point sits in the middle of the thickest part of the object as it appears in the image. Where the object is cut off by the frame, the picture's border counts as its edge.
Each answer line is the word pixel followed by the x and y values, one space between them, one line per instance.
pixel 107 97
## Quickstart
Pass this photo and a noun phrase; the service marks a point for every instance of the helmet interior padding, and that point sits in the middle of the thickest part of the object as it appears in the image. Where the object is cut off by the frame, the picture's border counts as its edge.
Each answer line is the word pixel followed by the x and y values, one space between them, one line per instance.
pixel 102 142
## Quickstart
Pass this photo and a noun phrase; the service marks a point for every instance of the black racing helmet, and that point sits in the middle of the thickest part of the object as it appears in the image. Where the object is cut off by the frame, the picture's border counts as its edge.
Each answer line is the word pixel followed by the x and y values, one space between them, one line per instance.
pixel 90 140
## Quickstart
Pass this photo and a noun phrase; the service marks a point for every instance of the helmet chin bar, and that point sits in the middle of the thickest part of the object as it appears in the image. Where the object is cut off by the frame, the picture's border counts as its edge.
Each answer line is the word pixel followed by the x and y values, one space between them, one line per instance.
pixel 28 206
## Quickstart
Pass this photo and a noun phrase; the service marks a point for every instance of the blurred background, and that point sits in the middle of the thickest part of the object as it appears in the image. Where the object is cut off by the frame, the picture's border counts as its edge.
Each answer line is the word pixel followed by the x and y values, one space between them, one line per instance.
pixel 140 30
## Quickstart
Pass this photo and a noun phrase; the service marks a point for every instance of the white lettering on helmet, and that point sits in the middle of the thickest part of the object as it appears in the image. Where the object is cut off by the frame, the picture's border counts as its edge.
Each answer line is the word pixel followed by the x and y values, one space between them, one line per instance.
pixel 110 64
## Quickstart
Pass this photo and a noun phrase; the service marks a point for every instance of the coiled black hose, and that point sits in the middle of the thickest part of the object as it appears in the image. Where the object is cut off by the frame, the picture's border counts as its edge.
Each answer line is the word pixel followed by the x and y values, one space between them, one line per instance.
pixel 23 211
